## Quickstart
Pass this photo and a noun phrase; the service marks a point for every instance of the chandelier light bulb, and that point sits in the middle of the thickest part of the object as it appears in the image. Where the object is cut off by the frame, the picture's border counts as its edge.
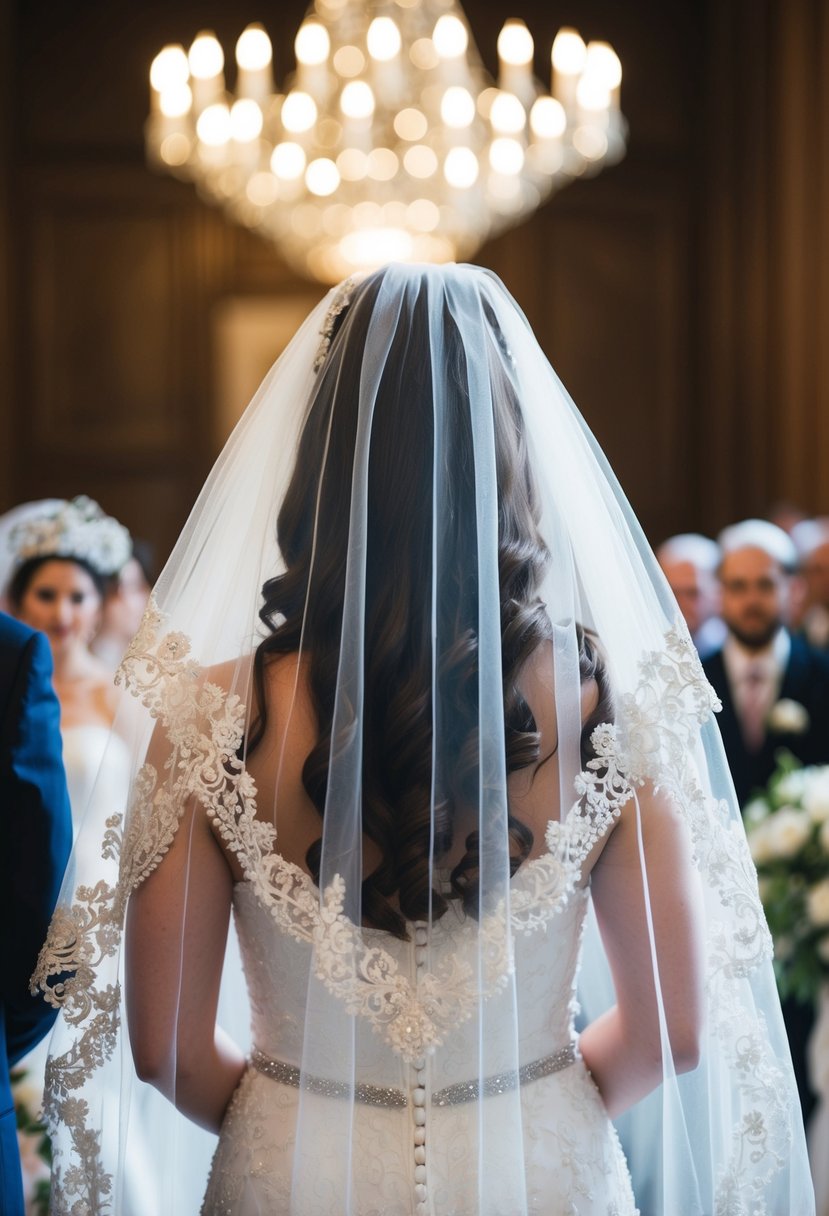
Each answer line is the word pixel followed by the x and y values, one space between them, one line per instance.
pixel 508 116
pixel 170 69
pixel 457 108
pixel 515 44
pixel 245 120
pixel 312 43
pixel 176 101
pixel 391 139
pixel 450 37
pixel 288 161
pixel 206 56
pixel 547 118
pixel 383 39
pixel 322 177
pixel 213 126
pixel 506 156
pixel 569 52
pixel 592 93
pixel 602 62
pixel 357 99
pixel 253 49
pixel 461 168
pixel 299 112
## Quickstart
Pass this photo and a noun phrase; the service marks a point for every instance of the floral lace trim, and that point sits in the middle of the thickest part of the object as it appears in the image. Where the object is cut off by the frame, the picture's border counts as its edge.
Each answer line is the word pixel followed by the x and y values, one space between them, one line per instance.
pixel 203 727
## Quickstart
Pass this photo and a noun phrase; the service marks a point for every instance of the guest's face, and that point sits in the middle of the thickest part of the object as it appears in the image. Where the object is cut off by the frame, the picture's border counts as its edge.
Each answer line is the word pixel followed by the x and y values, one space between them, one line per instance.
pixel 816 573
pixel 695 590
pixel 755 596
pixel 63 602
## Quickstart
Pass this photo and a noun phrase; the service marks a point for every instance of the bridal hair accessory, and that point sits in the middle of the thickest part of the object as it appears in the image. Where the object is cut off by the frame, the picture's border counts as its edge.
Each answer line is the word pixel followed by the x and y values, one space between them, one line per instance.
pixel 78 529
pixel 341 301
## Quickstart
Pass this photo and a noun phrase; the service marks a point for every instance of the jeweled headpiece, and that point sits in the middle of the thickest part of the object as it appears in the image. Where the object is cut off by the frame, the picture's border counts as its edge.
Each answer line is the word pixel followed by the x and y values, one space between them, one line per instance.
pixel 77 529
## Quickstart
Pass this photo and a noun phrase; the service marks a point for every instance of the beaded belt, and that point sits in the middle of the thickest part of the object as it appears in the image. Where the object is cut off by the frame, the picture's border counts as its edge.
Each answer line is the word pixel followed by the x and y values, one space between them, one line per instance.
pixel 381 1095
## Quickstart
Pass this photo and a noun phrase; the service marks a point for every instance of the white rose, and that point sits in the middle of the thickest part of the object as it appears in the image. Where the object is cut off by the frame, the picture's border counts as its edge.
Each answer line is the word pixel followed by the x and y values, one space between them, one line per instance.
pixel 755 811
pixel 817 903
pixel 788 717
pixel 789 830
pixel 816 795
pixel 759 842
pixel 790 788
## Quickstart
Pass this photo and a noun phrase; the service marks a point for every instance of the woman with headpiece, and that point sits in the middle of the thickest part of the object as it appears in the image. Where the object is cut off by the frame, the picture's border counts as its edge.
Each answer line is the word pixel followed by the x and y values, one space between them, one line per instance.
pixel 416 696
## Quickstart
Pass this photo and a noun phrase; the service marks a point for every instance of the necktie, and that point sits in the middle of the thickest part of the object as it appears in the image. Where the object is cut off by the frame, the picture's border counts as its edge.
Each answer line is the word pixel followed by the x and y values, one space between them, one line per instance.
pixel 753 707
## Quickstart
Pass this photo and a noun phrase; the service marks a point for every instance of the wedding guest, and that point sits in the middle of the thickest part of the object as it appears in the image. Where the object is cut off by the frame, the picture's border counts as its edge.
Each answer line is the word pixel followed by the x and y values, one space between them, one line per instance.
pixel 811 538
pixel 35 839
pixel 689 562
pixel 774 689
pixel 124 602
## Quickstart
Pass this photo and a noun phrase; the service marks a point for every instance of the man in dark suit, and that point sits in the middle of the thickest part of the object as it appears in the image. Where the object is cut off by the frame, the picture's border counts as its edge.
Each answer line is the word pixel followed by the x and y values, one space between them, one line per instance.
pixel 774 687
pixel 774 690
pixel 35 840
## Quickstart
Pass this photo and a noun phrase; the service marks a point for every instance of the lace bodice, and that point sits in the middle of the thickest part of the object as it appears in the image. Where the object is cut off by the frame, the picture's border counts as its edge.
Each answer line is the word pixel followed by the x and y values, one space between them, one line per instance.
pixel 276 968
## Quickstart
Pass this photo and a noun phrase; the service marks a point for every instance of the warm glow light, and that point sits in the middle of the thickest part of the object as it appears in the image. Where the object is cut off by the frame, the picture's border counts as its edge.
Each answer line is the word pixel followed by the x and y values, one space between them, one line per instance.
pixel 382 164
pixel 515 44
pixel 357 99
pixel 507 115
pixel 410 124
pixel 450 37
pixel 352 164
pixel 321 177
pixel 603 64
pixel 175 149
pixel 245 120
pixel 590 142
pixel 253 49
pixel 461 168
pixel 170 69
pixel 262 189
pixel 299 112
pixel 383 39
pixel 569 52
pixel 423 54
pixel 213 126
pixel 372 247
pixel 547 118
pixel 592 93
pixel 288 161
pixel 312 43
pixel 176 101
pixel 420 161
pixel 506 156
pixel 349 61
pixel 457 108
pixel 423 214
pixel 206 56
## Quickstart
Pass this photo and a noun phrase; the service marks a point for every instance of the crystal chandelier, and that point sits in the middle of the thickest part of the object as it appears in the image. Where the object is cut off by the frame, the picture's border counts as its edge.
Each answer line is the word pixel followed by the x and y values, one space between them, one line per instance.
pixel 391 141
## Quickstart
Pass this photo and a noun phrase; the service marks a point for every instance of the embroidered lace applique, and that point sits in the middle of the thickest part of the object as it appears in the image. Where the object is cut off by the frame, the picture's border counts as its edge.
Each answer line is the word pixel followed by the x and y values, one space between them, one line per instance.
pixel 202 729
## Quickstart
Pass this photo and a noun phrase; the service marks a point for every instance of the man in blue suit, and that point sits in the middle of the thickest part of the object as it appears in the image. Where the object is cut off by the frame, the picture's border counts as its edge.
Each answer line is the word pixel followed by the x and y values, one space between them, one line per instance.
pixel 35 841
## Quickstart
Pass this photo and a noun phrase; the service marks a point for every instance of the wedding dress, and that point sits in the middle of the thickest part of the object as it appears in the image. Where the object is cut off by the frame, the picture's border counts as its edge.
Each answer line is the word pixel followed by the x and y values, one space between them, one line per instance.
pixel 496 722
pixel 571 1148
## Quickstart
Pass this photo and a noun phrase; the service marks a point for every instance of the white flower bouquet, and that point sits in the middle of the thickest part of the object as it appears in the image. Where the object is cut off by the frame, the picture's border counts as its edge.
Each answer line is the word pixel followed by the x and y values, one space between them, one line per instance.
pixel 788 834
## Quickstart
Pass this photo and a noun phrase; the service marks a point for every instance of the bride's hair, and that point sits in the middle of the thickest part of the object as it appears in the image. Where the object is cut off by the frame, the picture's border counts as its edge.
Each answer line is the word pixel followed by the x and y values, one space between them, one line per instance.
pixel 313 535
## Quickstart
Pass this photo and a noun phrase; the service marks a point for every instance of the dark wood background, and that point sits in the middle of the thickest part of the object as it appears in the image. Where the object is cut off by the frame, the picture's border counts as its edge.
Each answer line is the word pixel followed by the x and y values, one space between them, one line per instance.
pixel 683 296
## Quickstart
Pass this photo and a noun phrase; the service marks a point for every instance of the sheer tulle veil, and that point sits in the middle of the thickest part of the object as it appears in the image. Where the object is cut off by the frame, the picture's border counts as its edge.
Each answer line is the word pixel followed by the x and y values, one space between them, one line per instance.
pixel 510 538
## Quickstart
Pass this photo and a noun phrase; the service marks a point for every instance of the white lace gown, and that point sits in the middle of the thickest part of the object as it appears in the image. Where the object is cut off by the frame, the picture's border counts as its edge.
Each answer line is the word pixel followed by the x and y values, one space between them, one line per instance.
pixel 574 1165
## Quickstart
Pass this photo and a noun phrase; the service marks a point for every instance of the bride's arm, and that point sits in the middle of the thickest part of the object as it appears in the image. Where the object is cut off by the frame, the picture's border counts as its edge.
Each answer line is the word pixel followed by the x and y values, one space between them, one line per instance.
pixel 175 941
pixel 622 1048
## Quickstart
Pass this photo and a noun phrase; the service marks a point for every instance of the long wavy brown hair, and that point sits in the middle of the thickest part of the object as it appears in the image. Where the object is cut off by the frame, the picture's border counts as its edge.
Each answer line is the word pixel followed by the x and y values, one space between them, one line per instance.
pixel 305 603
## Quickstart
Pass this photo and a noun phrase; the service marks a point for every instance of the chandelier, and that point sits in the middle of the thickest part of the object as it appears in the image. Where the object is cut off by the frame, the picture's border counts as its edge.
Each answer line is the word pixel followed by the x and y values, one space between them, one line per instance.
pixel 391 142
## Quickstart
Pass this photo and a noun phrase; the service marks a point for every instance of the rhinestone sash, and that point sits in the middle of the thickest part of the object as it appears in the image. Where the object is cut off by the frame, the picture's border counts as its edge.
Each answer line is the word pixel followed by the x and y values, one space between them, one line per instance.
pixel 381 1095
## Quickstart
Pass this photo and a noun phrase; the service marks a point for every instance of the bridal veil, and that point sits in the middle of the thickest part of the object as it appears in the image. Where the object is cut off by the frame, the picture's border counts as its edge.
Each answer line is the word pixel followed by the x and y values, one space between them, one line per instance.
pixel 474 526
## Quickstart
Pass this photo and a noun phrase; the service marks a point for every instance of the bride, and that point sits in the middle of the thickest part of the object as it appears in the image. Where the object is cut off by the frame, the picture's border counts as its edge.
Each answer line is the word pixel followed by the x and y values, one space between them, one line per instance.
pixel 416 698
